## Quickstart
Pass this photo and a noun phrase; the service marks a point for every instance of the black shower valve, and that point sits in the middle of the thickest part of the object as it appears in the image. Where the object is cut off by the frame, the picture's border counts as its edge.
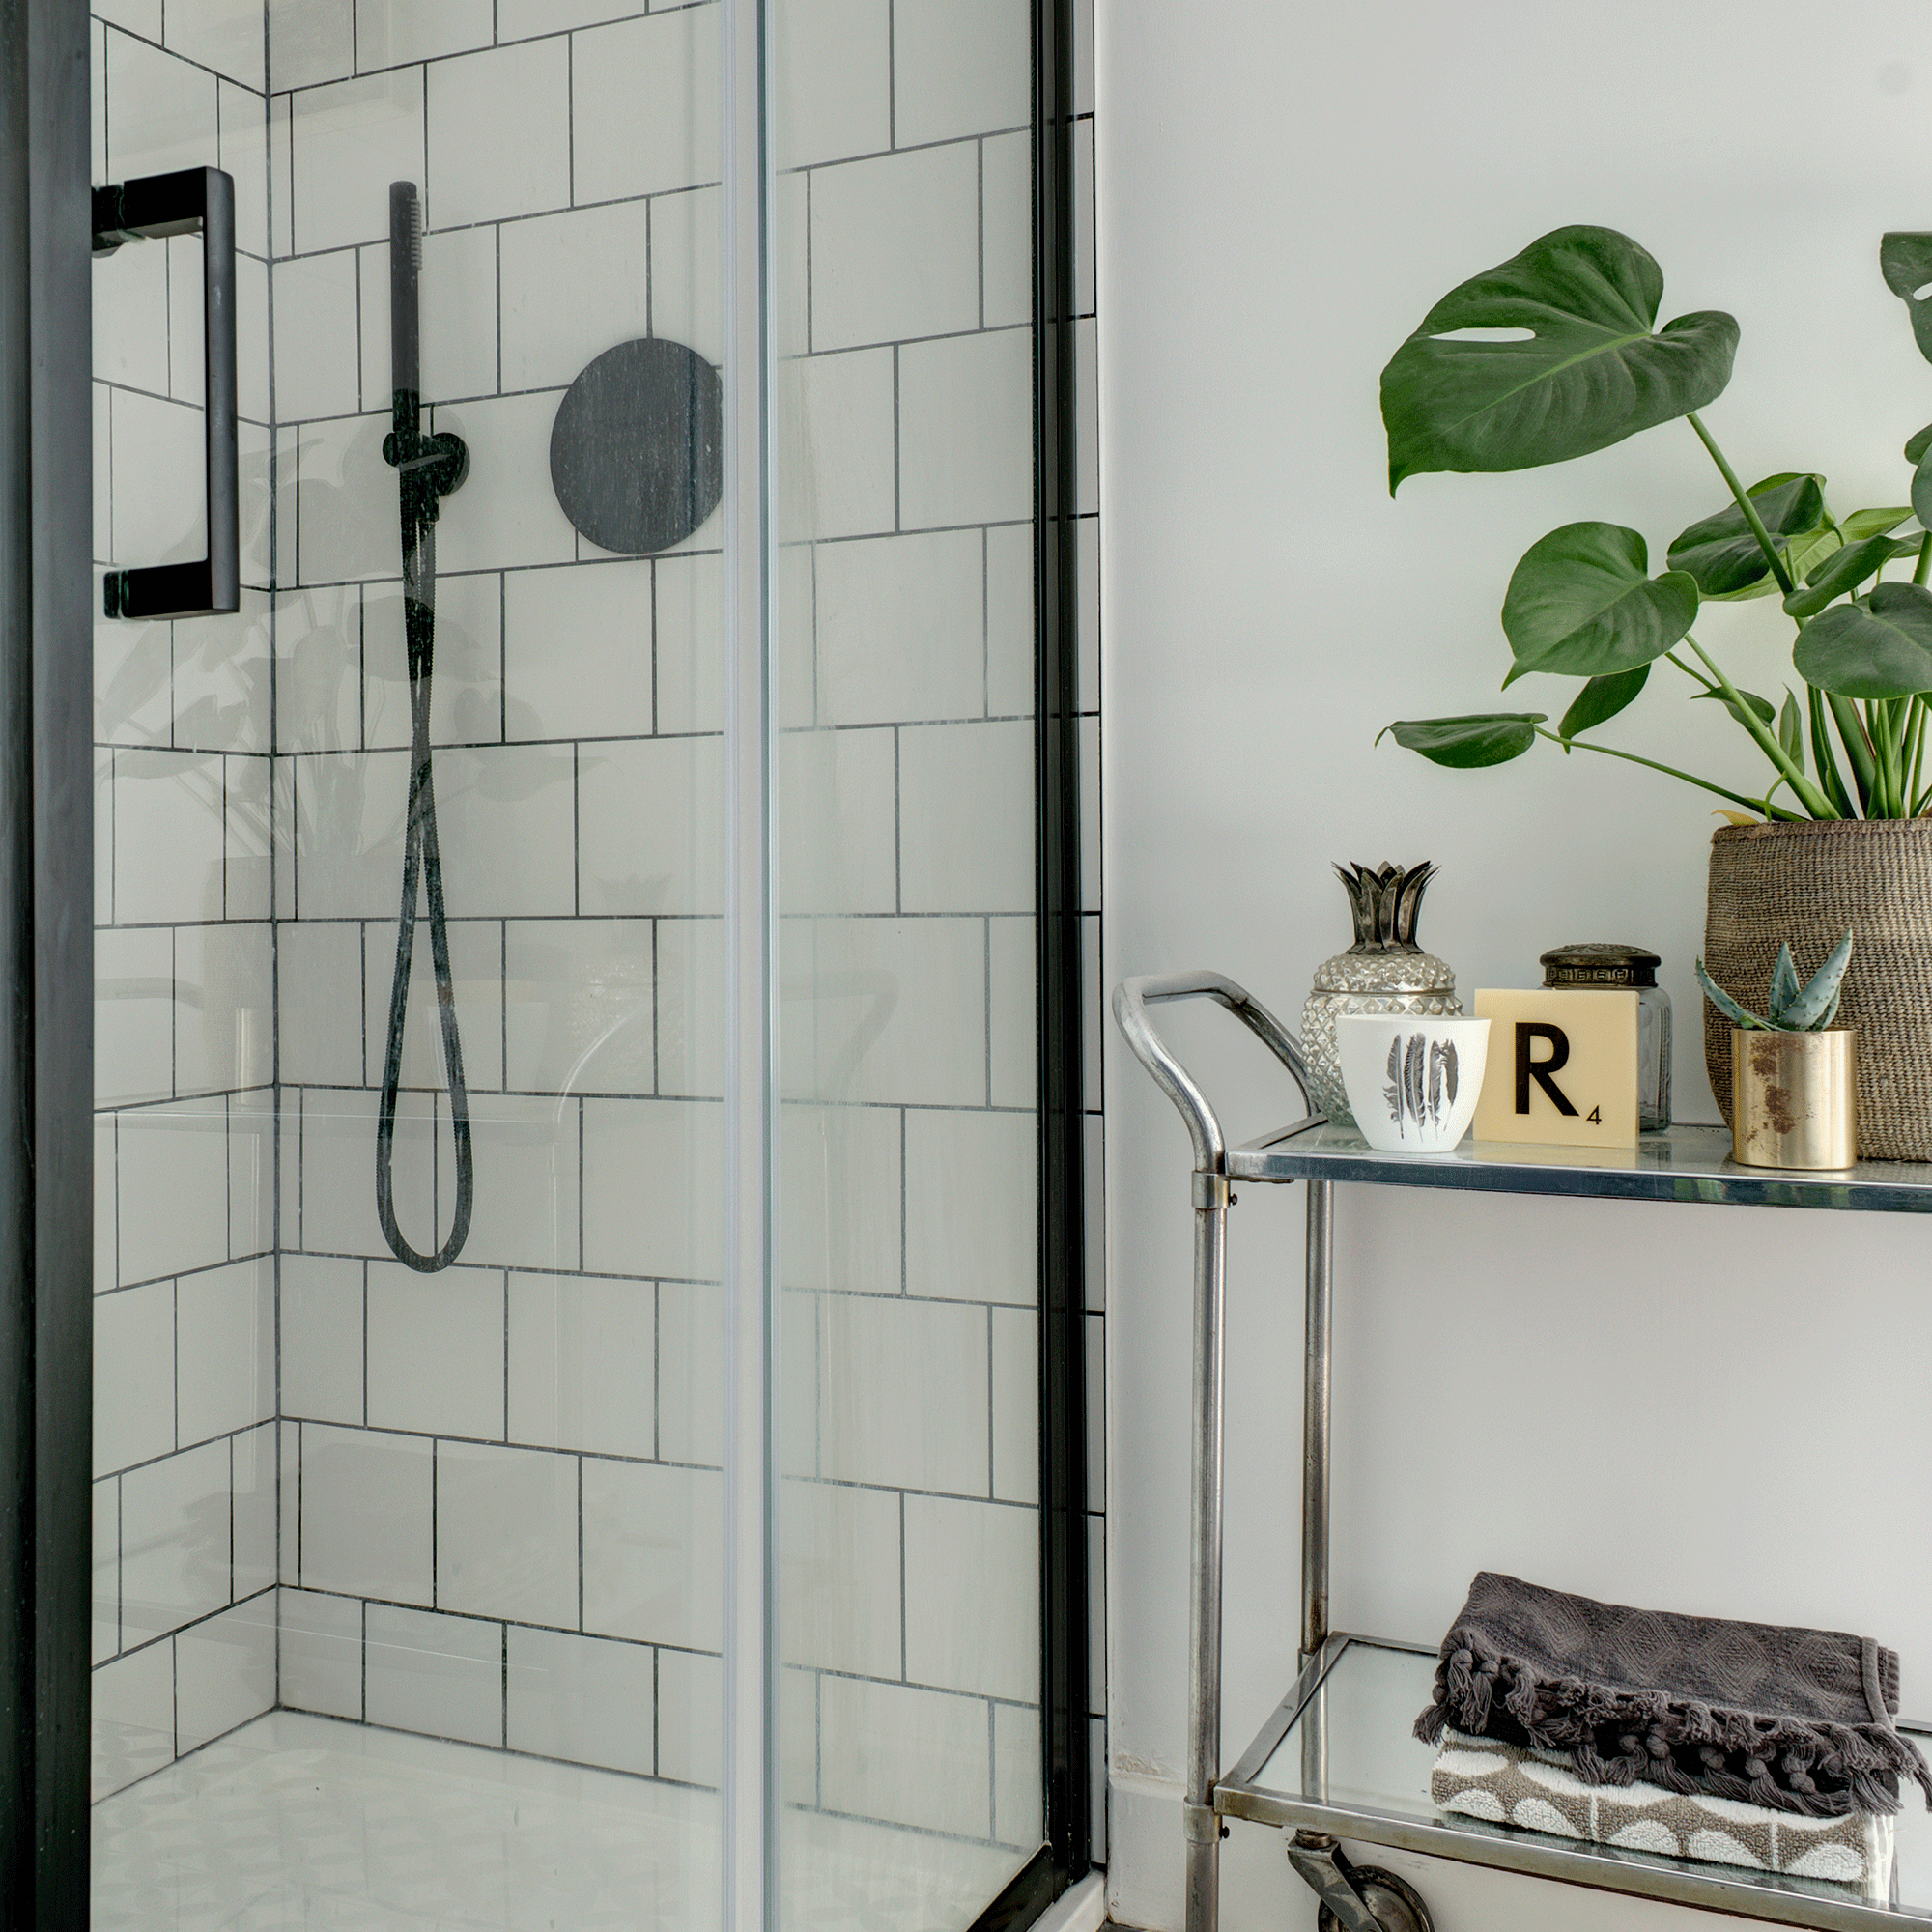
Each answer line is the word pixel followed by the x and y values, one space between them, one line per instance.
pixel 431 467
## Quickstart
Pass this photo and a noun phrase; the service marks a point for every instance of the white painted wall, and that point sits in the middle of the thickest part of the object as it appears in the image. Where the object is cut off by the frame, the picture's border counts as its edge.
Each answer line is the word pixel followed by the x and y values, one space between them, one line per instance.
pixel 1719 1414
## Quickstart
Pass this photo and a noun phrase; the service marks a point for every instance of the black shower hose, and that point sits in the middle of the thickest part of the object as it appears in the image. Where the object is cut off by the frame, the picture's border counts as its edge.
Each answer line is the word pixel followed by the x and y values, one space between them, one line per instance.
pixel 428 469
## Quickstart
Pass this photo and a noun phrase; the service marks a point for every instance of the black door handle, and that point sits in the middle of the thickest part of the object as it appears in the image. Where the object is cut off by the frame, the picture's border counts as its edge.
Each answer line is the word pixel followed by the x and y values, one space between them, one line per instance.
pixel 145 210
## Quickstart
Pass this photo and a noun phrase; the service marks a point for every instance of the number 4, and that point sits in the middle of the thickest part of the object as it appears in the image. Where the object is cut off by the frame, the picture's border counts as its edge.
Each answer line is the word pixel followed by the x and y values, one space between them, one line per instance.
pixel 1595 1115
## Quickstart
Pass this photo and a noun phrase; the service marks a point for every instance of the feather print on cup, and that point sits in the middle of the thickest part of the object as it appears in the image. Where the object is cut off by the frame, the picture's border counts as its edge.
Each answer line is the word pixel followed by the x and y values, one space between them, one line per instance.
pixel 1412 1083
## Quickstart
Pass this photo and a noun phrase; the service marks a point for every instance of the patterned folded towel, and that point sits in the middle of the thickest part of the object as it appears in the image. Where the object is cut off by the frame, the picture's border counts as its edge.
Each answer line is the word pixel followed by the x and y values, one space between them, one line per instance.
pixel 1536 1791
pixel 1794 1720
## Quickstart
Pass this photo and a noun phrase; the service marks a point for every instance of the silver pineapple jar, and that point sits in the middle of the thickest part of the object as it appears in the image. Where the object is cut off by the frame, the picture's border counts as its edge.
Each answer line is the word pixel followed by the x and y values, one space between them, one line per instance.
pixel 1385 972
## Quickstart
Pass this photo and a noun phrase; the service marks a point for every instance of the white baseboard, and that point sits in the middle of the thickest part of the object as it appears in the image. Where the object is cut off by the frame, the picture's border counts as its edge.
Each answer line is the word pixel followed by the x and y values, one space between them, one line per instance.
pixel 1080 1907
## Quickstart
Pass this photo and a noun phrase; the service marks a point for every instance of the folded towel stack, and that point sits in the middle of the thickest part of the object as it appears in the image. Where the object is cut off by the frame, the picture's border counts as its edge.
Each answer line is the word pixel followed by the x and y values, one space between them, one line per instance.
pixel 1661 1720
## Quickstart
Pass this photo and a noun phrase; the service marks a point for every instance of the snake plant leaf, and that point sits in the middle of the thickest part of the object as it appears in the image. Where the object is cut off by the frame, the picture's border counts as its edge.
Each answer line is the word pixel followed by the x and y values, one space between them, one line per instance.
pixel 1882 648
pixel 1765 710
pixel 1843 570
pixel 1581 604
pixel 1783 984
pixel 1808 1010
pixel 1725 1004
pixel 1904 260
pixel 1593 370
pixel 1863 524
pixel 1600 699
pixel 1724 555
pixel 1492 738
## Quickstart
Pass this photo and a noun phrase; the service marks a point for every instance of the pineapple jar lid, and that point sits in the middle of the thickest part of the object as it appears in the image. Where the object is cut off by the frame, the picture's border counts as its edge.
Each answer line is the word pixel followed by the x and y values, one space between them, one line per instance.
pixel 1599 964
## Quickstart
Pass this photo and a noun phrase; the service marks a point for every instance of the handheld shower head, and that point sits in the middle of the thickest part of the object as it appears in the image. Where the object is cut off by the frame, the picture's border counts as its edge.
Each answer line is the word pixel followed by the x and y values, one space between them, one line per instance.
pixel 404 268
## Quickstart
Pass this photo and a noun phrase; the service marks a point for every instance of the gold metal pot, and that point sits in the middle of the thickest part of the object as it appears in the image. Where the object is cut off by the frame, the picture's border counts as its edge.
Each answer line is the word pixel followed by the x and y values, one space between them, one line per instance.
pixel 1794 1098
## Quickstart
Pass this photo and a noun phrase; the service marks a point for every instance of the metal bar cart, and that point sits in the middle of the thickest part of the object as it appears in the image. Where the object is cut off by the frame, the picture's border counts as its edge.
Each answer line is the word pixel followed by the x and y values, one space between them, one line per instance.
pixel 1336 1761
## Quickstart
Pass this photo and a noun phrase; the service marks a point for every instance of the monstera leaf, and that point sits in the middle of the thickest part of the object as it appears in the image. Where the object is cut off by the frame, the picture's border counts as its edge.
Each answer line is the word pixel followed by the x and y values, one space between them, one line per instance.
pixel 1600 699
pixel 1880 649
pixel 1465 743
pixel 1593 370
pixel 1844 570
pixel 1580 603
pixel 1906 262
pixel 1725 556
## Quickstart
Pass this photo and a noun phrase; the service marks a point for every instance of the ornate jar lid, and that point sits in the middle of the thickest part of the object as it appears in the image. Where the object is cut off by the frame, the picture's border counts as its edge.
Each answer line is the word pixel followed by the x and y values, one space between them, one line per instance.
pixel 1600 963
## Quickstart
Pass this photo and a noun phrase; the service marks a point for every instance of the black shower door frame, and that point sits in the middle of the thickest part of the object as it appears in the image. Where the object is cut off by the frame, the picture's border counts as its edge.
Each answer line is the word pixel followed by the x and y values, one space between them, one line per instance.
pixel 47 976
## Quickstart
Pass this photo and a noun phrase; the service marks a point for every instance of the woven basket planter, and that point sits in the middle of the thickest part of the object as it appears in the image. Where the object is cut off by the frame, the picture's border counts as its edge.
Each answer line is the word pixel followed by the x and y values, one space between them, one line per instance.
pixel 1806 882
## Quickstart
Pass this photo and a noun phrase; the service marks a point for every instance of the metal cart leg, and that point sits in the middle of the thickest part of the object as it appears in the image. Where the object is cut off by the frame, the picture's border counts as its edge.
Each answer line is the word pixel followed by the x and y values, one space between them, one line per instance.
pixel 1204 1687
pixel 1315 1420
pixel 1355 1898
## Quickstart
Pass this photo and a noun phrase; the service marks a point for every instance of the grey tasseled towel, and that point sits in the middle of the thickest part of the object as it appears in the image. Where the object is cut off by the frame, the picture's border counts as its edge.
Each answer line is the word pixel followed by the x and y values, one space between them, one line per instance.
pixel 1798 1720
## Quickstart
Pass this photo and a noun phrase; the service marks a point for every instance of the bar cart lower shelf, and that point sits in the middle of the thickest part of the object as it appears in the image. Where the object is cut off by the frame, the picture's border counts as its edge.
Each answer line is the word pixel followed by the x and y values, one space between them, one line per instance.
pixel 1337 1760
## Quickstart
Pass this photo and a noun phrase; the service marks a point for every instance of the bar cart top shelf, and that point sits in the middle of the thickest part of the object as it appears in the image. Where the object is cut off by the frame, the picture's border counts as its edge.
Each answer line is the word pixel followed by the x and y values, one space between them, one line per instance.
pixel 1687 1163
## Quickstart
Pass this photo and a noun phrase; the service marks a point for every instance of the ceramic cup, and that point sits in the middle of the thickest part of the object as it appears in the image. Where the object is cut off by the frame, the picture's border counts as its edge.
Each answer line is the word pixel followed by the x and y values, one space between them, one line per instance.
pixel 1412 1083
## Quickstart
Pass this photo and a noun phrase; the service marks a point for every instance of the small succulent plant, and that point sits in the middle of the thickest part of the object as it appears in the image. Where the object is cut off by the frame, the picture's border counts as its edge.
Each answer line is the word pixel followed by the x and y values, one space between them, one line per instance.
pixel 1809 1008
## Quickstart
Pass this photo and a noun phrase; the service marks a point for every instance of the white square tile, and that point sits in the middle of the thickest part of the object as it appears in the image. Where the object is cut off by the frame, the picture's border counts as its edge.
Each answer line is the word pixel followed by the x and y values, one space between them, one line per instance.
pixel 154 444
pixel 840 1198
pixel 691 1006
pixel 1005 239
pixel 506 513
pixel 105 1589
pixel 317 372
pixel 322 1654
pixel 345 500
pixel 366 1514
pixel 226 1349
pixel 456 304
pixel 96 61
pixel 188 356
pixel 583 1364
pixel 106 1216
pixel 133 1375
pixel 973 1596
pixel 971 1226
pixel 249 841
pixel 690 1718
pixel 579 1015
pixel 133 1014
pixel 837 468
pixel 311 41
pixel 101 413
pixel 837 822
pixel 133 671
pixel 349 834
pixel 226 34
pixel 442 1676
pixel 1015 1405
pixel 265 479
pixel 336 1212
pixel 436 1351
pixel 673 1225
pixel 1012 1023
pixel 223 1007
pixel 955 862
pixel 574 284
pixel 519 19
pixel 174 1542
pixel 832 82
pixel 1019 1780
pixel 909 1756
pixel 687 281
pixel 896 1009
pixel 319 669
pixel 577 651
pixel 321 1019
pixel 288 1526
pixel 789 227
pixel 966 428
pixel 133 1718
pixel 960 67
pixel 173 1166
pixel 252 380
pixel 526 1211
pixel 691 1373
pixel 350 141
pixel 506 1523
pixel 322 1338
pixel 136 16
pixel 130 318
pixel 161 112
pixel 476 974
pixel 466 689
pixel 896 246
pixel 224 1672
pixel 902 628
pixel 244 154
pixel 653 1553
pixel 904 1388
pixel 252 1173
pixel 1009 621
pixel 651 834
pixel 281 175
pixel 798 1738
pixel 1087 428
pixel 584 1699
pixel 690 598
pixel 282 798
pixel 222 678
pixel 645 105
pixel 499 132
pixel 252 1459
pixel 391 32
pixel 839 1578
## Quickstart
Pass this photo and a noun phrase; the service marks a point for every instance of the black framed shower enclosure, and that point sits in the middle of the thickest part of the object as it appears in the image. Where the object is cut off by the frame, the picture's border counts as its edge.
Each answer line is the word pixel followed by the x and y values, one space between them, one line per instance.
pixel 47 1016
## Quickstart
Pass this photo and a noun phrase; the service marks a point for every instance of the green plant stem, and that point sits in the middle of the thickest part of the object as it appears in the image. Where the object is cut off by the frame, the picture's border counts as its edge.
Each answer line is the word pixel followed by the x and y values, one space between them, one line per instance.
pixel 1670 771
pixel 1916 753
pixel 1749 509
pixel 1690 670
pixel 1878 724
pixel 1922 569
pixel 1823 757
pixel 1803 789
pixel 1858 746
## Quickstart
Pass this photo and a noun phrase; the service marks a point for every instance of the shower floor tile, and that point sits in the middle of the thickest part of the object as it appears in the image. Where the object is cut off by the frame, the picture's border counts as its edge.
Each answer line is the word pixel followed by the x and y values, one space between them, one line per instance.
pixel 302 1824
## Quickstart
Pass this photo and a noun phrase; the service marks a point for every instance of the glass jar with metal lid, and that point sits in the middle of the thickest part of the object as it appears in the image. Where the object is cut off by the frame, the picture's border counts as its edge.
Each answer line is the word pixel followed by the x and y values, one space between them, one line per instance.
pixel 1608 967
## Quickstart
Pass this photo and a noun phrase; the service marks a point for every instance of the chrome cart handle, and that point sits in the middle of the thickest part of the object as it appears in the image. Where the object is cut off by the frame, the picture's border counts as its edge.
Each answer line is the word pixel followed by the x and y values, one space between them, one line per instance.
pixel 1131 1000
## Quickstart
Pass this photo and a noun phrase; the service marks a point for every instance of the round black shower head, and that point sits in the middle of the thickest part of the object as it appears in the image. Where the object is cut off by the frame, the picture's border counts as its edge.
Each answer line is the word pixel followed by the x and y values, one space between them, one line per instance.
pixel 637 451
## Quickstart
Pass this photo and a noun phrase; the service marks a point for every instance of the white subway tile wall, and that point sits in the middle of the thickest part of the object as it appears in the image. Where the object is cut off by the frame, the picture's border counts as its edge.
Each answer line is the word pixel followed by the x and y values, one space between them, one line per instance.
pixel 492 1497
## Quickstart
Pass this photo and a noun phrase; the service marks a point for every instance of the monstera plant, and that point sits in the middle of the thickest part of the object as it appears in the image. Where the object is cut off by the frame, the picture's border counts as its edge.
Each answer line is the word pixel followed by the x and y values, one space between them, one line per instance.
pixel 1557 352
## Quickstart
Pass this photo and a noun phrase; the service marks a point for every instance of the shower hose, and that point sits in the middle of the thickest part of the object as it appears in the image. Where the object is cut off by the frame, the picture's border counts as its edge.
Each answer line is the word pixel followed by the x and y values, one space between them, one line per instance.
pixel 428 469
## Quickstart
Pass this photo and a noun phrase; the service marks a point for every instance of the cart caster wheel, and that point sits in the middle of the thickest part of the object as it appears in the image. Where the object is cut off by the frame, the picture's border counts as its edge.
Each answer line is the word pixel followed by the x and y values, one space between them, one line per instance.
pixel 1396 1903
